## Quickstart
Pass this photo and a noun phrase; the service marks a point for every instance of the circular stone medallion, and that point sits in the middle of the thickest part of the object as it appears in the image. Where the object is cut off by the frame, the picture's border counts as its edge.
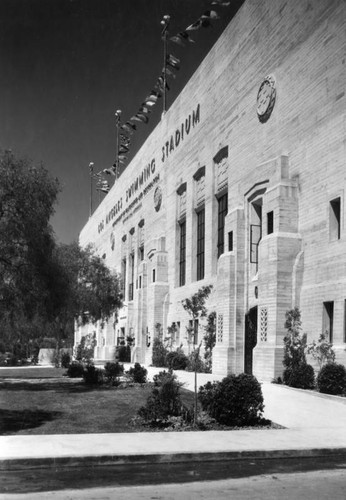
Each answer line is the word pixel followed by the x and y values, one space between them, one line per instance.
pixel 266 98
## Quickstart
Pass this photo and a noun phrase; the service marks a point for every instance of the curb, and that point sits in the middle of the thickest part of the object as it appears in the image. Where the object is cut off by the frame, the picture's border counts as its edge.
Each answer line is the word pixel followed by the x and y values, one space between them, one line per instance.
pixel 114 460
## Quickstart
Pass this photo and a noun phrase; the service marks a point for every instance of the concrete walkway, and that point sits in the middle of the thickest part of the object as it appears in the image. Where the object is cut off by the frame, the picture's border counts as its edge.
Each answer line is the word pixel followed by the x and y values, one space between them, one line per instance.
pixel 315 425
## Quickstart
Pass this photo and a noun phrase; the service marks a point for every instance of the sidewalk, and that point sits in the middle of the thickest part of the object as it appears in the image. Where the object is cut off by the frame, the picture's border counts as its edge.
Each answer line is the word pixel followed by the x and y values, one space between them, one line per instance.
pixel 315 425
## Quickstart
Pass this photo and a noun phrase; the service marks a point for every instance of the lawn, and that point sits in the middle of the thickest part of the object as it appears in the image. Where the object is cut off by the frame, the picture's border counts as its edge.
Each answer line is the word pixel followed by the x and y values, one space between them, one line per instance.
pixel 44 401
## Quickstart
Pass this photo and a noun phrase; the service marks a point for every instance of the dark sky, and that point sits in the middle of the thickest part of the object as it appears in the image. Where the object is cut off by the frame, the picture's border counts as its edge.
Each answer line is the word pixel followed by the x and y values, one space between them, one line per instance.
pixel 67 65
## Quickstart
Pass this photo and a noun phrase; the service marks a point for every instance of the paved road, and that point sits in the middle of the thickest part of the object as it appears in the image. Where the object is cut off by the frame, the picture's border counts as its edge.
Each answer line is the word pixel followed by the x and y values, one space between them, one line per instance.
pixel 314 485
pixel 295 477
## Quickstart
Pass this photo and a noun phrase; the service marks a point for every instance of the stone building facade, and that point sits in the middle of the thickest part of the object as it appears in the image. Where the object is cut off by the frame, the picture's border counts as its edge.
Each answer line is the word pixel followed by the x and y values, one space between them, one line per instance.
pixel 240 186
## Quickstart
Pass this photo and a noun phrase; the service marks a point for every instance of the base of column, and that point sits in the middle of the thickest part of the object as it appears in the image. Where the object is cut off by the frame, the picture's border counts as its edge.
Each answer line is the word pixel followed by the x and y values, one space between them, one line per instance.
pixel 223 360
pixel 267 362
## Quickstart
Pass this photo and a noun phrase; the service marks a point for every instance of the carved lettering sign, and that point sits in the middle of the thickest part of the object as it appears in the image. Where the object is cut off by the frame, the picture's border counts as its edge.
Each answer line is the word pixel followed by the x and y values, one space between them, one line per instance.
pixel 118 210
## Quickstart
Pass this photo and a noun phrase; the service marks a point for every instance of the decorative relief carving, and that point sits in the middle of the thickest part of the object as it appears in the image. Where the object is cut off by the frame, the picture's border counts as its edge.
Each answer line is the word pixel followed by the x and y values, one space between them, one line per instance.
pixel 222 174
pixel 200 191
pixel 220 328
pixel 182 204
pixel 264 323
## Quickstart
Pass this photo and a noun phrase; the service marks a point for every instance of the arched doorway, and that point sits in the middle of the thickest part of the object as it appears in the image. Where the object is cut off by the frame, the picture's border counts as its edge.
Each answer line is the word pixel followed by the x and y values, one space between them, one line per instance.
pixel 250 340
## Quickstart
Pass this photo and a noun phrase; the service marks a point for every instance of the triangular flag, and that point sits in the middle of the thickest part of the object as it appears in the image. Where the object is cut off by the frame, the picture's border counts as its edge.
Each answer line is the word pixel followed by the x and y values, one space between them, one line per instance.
pixel 173 61
pixel 181 38
pixel 123 149
pixel 210 14
pixel 142 118
pixel 222 3
pixel 168 72
pixel 107 171
pixel 144 109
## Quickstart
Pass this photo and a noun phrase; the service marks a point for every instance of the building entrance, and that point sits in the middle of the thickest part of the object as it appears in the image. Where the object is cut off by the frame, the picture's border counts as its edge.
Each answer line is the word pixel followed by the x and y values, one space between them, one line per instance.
pixel 250 338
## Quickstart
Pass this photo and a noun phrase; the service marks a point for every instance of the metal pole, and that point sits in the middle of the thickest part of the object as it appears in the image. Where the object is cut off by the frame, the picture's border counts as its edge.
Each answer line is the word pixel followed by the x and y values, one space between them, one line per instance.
pixel 91 171
pixel 117 124
pixel 164 71
pixel 164 34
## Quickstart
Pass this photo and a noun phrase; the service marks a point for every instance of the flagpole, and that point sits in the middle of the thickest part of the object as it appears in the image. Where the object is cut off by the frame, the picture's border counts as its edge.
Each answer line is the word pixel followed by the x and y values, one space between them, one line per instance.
pixel 91 171
pixel 164 34
pixel 117 124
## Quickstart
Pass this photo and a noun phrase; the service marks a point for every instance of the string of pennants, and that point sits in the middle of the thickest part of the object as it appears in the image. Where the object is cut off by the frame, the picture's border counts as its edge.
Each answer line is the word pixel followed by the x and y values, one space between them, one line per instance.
pixel 128 128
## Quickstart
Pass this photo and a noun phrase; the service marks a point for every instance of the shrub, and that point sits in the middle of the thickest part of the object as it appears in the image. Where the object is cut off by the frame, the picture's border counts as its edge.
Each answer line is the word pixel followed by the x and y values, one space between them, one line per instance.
pixel 138 374
pixel 322 350
pixel 177 360
pixel 75 369
pixel 159 353
pixel 124 353
pixel 301 377
pixel 85 349
pixel 92 375
pixel 65 359
pixel 164 400
pixel 112 371
pixel 297 372
pixel 332 379
pixel 195 363
pixel 235 401
pixel 295 342
pixel 56 358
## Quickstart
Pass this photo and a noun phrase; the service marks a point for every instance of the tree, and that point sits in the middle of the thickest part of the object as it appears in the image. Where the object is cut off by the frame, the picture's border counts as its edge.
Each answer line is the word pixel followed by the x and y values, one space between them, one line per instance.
pixel 27 197
pixel 294 340
pixel 297 372
pixel 195 306
pixel 322 351
pixel 89 291
pixel 210 339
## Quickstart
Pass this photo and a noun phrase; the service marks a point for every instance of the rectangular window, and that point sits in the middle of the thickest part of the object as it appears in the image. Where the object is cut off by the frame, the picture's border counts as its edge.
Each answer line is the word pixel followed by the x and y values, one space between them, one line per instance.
pixel 270 222
pixel 328 319
pixel 222 212
pixel 230 241
pixel 334 219
pixel 141 253
pixel 132 276
pixel 140 281
pixel 182 253
pixel 255 238
pixel 123 277
pixel 200 243
pixel 154 275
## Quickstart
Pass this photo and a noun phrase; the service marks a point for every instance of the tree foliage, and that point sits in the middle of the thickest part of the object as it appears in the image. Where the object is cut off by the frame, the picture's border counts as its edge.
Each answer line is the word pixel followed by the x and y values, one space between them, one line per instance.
pixel 195 305
pixel 90 291
pixel 294 340
pixel 27 197
pixel 44 286
pixel 322 351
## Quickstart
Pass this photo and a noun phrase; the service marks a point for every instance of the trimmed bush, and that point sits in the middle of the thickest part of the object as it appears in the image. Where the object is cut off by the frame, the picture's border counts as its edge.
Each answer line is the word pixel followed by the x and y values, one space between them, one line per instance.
pixel 124 353
pixel 196 363
pixel 138 374
pixel 332 379
pixel 65 359
pixel 112 371
pixel 164 400
pixel 177 360
pixel 75 370
pixel 92 375
pixel 301 377
pixel 235 401
pixel 159 353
